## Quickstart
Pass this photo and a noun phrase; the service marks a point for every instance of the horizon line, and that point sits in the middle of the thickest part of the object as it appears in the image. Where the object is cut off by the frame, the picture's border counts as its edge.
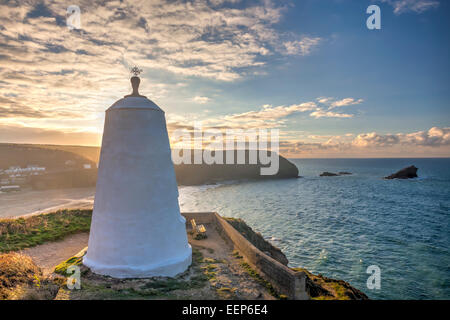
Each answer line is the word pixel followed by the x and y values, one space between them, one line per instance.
pixel 293 158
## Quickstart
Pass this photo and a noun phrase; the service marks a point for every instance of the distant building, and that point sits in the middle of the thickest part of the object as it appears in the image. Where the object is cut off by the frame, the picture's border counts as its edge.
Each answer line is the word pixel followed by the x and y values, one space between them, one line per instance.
pixel 70 162
pixel 18 171
pixel 9 188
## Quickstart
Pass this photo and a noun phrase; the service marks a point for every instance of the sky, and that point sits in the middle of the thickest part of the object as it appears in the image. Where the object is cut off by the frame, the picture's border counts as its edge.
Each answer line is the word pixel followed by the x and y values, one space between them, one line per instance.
pixel 310 68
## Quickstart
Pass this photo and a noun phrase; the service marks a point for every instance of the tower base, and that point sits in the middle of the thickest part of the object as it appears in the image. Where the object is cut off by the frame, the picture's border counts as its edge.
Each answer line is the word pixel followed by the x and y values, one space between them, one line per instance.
pixel 168 268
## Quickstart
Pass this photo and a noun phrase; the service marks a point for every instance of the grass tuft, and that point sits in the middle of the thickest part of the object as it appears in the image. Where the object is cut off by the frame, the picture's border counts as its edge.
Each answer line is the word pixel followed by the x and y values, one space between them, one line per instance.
pixel 63 266
pixel 21 279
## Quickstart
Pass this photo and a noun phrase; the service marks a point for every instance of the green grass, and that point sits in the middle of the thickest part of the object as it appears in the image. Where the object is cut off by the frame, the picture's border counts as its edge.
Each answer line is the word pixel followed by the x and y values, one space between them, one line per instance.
pixel 226 292
pixel 17 234
pixel 63 266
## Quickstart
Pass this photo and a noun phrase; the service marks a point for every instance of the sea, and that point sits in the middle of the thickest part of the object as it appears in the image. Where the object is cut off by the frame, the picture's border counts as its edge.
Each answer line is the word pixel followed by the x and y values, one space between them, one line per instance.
pixel 341 226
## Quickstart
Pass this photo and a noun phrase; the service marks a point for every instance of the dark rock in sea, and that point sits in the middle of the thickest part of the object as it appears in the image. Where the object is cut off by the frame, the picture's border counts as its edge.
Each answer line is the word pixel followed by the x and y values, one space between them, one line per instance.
pixel 328 174
pixel 331 174
pixel 406 173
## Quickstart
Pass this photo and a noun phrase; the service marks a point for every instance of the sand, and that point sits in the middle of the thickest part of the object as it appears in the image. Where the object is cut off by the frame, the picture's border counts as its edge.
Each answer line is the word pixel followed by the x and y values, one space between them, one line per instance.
pixel 29 202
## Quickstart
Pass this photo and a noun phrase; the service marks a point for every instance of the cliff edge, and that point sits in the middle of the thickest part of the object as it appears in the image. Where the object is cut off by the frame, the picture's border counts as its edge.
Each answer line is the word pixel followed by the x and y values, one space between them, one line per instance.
pixel 197 174
pixel 318 287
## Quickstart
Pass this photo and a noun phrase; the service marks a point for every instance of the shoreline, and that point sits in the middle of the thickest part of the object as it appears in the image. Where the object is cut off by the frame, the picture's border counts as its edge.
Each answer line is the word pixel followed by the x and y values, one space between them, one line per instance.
pixel 32 202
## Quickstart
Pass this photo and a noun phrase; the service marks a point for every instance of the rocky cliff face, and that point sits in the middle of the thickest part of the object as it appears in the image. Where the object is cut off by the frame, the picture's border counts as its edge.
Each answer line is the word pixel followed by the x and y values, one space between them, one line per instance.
pixel 320 287
pixel 196 174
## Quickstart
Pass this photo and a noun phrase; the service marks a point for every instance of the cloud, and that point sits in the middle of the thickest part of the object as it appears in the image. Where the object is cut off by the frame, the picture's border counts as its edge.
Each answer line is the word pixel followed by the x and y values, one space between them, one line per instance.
pixel 434 137
pixel 200 38
pixel 268 112
pixel 51 73
pixel 301 47
pixel 201 100
pixel 374 139
pixel 330 103
pixel 10 108
pixel 22 134
pixel 418 6
pixel 268 116
pixel 345 102
pixel 271 113
pixel 428 143
pixel 324 100
pixel 329 114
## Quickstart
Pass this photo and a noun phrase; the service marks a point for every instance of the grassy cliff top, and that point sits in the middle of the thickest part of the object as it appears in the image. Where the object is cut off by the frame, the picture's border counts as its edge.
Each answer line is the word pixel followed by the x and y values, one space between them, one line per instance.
pixel 20 233
pixel 20 277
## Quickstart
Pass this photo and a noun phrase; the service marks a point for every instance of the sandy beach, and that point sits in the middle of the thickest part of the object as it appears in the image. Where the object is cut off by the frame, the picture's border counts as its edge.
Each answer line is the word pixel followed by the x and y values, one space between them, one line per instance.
pixel 29 202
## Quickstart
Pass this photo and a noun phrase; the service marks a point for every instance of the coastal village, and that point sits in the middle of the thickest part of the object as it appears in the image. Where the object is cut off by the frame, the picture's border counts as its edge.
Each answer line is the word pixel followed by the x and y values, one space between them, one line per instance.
pixel 38 168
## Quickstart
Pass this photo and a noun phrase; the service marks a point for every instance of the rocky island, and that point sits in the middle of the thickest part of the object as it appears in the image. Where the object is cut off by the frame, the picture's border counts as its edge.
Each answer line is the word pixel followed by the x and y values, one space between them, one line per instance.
pixel 406 173
pixel 331 174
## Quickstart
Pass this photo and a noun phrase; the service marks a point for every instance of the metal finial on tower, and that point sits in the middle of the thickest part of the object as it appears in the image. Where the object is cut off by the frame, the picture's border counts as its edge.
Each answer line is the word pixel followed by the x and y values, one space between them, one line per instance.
pixel 136 71
pixel 135 81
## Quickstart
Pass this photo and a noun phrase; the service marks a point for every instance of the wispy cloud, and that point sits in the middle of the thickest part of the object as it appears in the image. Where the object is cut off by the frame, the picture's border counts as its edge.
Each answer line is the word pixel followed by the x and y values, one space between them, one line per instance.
pixel 302 47
pixel 418 6
pixel 49 72
pixel 201 100
pixel 345 102
pixel 329 114
pixel 25 134
pixel 267 116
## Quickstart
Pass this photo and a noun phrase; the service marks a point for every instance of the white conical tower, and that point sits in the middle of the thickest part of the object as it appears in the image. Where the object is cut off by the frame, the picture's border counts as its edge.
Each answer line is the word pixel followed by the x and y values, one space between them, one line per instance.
pixel 137 229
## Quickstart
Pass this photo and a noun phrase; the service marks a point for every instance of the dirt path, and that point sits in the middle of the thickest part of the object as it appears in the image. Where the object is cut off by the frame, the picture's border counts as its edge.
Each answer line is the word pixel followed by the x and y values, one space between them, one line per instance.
pixel 49 255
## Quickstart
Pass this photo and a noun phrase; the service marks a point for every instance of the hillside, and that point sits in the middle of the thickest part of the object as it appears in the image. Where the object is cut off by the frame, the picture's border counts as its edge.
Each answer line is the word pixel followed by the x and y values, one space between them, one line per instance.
pixel 51 157
pixel 54 157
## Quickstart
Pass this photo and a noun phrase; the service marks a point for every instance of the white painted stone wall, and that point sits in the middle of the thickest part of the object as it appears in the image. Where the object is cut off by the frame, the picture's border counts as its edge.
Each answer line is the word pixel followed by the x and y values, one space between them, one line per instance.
pixel 137 229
